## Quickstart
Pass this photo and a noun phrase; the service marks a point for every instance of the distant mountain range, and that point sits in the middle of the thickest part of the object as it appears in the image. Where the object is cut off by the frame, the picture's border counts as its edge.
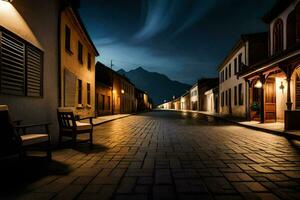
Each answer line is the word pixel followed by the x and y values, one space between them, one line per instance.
pixel 157 85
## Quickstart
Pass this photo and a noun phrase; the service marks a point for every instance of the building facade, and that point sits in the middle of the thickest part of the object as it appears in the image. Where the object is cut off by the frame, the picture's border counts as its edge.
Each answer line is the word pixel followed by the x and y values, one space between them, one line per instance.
pixel 142 100
pixel 212 100
pixel 77 64
pixel 29 84
pixel 185 101
pixel 250 49
pixel 204 85
pixel 194 97
pixel 275 82
pixel 120 98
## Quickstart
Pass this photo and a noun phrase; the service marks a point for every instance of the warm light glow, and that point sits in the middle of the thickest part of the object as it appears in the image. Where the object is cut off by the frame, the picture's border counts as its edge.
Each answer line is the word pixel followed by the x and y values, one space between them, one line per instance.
pixel 258 84
pixel 114 91
pixel 11 19
pixel 122 91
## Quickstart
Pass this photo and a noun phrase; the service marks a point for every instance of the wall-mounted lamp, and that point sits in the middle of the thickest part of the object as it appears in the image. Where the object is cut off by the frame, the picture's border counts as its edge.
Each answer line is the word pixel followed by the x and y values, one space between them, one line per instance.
pixel 281 87
pixel 122 91
pixel 114 91
pixel 258 84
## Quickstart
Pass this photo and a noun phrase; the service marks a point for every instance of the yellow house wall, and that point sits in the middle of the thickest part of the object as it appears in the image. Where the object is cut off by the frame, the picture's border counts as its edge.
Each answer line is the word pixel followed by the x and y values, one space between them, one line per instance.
pixel 70 61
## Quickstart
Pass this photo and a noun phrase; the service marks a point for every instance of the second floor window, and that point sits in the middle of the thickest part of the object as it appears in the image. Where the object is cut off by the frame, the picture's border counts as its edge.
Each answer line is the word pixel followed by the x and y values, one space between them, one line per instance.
pixel 240 62
pixel 278 36
pixel 80 52
pixel 79 100
pixel 68 39
pixel 229 70
pixel 235 66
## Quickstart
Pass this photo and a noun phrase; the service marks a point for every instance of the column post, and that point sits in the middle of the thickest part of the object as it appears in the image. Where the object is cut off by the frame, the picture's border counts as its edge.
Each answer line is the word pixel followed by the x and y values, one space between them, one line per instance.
pixel 262 101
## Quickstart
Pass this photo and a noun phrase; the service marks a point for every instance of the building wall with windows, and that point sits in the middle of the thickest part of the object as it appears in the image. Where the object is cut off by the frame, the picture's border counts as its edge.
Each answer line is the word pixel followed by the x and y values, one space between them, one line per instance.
pixel 194 97
pixel 77 67
pixel 279 27
pixel 103 102
pixel 22 22
pixel 127 96
pixel 232 88
pixel 185 101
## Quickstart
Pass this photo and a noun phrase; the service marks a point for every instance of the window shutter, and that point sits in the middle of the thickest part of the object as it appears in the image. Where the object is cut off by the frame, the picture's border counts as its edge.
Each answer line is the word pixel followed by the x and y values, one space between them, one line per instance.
pixel 12 65
pixel 70 89
pixel 34 71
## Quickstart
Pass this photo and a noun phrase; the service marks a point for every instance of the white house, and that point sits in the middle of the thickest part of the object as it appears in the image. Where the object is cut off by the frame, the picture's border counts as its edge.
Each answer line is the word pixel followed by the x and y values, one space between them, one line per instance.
pixel 250 49
pixel 194 97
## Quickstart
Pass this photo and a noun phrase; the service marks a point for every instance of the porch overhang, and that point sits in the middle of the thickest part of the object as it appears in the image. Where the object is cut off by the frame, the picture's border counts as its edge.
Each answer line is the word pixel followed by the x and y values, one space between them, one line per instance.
pixel 278 62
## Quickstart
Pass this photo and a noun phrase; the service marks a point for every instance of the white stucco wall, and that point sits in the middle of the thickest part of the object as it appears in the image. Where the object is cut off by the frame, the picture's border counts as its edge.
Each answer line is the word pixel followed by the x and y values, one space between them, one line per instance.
pixel 194 96
pixel 237 110
pixel 209 95
pixel 36 22
pixel 284 15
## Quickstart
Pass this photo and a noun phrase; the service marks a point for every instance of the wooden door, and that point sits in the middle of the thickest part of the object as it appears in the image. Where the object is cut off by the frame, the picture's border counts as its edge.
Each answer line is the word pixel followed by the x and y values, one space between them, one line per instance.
pixel 270 100
pixel 298 93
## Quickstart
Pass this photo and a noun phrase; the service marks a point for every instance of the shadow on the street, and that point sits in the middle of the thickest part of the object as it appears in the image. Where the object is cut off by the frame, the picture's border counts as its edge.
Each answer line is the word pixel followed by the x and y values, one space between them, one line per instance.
pixel 16 174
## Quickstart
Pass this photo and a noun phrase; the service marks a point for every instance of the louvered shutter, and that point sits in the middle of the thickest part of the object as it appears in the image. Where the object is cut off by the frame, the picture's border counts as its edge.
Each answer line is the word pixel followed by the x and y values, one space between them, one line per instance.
pixel 12 65
pixel 34 61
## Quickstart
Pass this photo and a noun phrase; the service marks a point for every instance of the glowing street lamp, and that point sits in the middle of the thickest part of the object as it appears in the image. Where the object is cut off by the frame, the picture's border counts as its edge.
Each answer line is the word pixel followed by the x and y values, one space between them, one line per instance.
pixel 258 84
pixel 122 91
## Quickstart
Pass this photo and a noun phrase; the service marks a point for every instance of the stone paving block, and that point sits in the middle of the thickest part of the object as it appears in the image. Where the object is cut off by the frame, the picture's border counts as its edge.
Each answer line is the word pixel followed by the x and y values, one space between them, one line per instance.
pixel 70 192
pixel 127 185
pixel 163 176
pixel 163 155
pixel 163 192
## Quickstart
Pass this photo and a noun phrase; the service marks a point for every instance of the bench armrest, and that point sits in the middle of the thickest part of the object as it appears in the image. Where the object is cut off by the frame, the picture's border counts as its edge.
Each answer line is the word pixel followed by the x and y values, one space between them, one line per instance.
pixel 24 127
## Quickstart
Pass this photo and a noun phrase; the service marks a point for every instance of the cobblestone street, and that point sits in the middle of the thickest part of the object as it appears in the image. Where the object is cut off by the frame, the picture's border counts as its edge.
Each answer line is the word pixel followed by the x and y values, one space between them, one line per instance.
pixel 166 155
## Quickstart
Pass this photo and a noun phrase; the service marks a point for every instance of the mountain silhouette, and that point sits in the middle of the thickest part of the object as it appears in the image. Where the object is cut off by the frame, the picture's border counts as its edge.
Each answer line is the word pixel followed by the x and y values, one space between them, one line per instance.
pixel 157 85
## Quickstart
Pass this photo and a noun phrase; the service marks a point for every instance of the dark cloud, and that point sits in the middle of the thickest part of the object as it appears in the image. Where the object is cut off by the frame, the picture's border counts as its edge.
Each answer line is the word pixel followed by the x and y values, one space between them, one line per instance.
pixel 186 40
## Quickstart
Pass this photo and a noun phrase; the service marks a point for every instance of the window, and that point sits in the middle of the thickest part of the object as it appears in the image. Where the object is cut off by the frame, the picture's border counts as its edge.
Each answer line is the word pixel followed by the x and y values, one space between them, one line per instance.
pixel 68 39
pixel 229 70
pixel 222 99
pixel 241 95
pixel 278 36
pixel 80 54
pixel 21 66
pixel 89 64
pixel 88 86
pixel 235 96
pixel 235 66
pixel 240 62
pixel 79 100
pixel 226 73
pixel 226 98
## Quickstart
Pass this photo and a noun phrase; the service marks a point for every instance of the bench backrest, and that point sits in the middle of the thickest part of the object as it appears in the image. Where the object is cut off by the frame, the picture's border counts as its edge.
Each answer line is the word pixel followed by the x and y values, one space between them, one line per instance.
pixel 66 118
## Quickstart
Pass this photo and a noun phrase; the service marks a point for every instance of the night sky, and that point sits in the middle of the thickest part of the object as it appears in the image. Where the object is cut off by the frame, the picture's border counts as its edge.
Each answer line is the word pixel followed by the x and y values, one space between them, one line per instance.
pixel 184 39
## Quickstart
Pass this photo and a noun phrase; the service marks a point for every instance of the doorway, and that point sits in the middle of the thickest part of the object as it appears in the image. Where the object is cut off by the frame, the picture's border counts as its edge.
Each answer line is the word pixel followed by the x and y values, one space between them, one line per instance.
pixel 270 100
